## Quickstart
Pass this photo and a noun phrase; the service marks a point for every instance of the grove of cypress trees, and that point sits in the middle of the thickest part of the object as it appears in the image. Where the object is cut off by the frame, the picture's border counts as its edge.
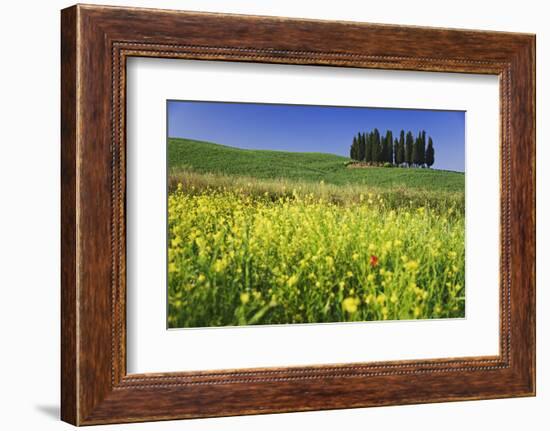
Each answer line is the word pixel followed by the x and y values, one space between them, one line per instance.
pixel 372 148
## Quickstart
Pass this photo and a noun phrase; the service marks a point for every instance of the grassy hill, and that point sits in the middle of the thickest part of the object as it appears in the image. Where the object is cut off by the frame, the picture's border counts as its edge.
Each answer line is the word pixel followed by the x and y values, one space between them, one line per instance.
pixel 207 157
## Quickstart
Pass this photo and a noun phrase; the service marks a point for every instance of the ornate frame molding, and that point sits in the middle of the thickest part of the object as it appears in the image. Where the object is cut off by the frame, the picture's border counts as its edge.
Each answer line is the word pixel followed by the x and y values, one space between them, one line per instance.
pixel 96 41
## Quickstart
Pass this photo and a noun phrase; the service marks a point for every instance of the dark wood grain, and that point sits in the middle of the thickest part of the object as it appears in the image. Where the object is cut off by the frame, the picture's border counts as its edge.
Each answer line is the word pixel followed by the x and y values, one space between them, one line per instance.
pixel 69 367
pixel 96 41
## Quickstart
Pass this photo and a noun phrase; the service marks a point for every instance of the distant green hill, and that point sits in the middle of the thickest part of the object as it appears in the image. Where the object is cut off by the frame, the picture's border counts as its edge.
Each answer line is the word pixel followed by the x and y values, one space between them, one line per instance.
pixel 209 157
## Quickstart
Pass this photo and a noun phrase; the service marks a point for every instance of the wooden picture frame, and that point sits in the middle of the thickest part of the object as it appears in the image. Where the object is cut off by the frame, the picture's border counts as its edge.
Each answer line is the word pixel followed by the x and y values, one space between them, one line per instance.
pixel 95 43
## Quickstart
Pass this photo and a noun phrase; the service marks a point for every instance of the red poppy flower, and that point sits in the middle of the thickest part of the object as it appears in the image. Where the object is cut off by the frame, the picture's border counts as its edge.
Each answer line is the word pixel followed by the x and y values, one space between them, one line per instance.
pixel 373 260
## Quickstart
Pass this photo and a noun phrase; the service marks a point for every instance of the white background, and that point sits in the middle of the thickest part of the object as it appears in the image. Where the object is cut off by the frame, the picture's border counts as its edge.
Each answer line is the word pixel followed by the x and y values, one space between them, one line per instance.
pixel 29 228
pixel 151 348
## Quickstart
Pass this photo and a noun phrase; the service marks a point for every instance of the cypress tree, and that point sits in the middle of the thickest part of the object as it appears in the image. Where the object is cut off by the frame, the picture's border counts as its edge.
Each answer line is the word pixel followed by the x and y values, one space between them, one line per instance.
pixel 400 153
pixel 372 147
pixel 392 149
pixel 368 144
pixel 366 141
pixel 383 149
pixel 409 144
pixel 361 142
pixel 396 151
pixel 353 149
pixel 416 151
pixel 422 149
pixel 388 150
pixel 376 146
pixel 430 153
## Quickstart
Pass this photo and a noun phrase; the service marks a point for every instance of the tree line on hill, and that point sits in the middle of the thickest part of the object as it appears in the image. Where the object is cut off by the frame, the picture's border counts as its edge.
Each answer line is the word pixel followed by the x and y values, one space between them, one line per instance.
pixel 374 149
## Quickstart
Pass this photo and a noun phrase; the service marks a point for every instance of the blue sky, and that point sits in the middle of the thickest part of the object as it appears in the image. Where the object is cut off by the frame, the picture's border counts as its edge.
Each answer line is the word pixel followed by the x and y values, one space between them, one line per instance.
pixel 308 128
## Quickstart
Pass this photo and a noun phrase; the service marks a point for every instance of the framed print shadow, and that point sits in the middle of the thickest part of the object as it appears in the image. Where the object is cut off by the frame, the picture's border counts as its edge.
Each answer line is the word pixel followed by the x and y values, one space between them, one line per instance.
pixel 317 215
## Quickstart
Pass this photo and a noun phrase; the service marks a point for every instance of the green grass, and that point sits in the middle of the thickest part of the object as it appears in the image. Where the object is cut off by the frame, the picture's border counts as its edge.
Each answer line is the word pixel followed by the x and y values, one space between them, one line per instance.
pixel 207 157
pixel 350 194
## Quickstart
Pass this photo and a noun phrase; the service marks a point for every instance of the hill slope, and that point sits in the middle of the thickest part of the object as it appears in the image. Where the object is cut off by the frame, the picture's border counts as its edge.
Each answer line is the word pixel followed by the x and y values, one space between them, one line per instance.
pixel 209 157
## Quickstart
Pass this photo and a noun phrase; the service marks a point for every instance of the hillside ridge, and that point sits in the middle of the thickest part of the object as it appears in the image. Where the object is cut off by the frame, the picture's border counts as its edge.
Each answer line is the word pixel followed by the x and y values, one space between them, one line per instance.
pixel 210 157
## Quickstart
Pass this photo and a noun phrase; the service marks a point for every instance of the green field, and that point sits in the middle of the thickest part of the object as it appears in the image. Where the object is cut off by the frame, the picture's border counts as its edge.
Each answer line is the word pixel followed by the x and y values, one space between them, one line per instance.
pixel 272 237
pixel 203 157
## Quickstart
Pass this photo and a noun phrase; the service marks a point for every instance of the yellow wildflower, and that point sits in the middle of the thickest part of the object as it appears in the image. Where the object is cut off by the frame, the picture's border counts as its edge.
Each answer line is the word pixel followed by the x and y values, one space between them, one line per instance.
pixel 350 304
pixel 220 265
pixel 292 280
pixel 245 297
pixel 411 265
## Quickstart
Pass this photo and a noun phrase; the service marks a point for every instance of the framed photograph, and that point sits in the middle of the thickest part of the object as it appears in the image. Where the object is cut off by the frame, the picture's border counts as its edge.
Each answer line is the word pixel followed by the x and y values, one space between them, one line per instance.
pixel 264 215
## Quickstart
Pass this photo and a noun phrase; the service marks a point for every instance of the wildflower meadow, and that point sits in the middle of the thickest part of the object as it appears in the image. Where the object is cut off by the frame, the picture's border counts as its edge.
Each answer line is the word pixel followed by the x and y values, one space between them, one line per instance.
pixel 252 251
